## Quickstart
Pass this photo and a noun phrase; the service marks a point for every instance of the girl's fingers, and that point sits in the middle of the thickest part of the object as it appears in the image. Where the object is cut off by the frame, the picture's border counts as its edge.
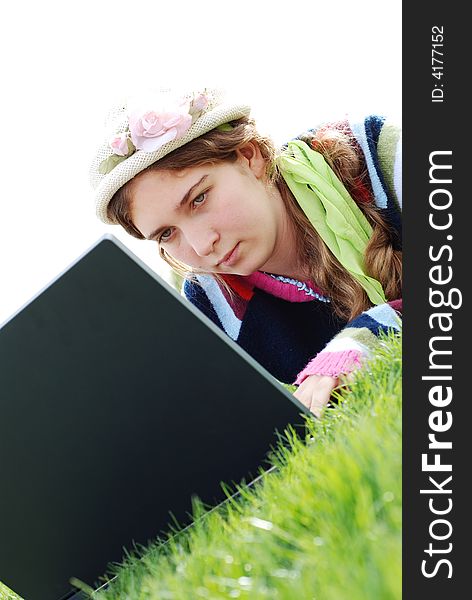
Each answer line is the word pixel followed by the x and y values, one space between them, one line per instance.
pixel 315 392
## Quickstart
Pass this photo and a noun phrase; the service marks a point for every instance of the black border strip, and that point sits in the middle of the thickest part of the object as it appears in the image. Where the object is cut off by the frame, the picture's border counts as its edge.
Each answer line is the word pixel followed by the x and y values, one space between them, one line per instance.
pixel 435 131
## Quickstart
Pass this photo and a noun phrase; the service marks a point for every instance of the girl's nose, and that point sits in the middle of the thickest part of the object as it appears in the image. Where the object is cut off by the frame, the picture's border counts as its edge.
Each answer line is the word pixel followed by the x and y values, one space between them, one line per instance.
pixel 202 241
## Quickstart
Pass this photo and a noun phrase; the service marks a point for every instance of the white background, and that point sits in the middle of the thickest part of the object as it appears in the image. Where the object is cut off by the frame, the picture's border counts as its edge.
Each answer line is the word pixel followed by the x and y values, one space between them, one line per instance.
pixel 63 64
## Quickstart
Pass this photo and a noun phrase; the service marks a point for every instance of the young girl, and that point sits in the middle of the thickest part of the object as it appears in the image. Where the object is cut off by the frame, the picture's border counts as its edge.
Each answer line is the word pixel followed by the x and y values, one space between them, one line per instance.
pixel 294 254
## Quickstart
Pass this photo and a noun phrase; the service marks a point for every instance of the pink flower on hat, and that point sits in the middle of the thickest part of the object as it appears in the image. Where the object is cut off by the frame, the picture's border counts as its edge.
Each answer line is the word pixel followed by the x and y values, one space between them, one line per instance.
pixel 119 144
pixel 151 129
pixel 199 103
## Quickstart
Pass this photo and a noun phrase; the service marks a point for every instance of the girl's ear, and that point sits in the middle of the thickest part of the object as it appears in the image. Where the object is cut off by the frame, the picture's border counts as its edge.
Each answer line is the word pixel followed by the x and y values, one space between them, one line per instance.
pixel 250 156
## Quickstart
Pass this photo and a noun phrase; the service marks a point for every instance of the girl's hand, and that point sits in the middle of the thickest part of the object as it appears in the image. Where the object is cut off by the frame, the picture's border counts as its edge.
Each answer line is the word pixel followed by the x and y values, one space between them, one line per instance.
pixel 315 392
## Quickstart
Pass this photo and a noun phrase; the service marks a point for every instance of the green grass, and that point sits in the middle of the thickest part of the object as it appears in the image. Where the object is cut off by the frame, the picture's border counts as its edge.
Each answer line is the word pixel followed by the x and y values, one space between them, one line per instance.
pixel 325 525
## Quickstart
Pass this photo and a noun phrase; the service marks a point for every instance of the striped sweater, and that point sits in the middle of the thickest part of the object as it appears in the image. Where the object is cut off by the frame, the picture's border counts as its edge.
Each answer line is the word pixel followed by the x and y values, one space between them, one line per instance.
pixel 288 325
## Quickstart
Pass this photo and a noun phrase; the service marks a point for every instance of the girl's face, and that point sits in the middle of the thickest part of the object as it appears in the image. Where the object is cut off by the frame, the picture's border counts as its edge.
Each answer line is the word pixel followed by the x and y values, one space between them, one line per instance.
pixel 219 218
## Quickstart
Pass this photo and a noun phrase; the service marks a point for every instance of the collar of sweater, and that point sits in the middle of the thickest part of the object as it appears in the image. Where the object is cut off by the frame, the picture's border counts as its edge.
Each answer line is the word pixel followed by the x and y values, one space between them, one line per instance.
pixel 286 288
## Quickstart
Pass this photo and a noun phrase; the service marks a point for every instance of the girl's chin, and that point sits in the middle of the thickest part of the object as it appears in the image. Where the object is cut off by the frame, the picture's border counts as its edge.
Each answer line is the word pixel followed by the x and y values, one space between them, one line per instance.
pixel 248 269
pixel 242 270
pixel 243 273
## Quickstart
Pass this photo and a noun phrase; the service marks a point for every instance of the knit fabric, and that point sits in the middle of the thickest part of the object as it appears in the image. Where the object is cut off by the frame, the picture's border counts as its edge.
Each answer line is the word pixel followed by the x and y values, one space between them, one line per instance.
pixel 289 326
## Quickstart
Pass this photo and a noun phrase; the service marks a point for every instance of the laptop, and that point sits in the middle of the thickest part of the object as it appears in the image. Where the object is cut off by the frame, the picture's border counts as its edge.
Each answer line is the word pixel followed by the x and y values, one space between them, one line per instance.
pixel 119 402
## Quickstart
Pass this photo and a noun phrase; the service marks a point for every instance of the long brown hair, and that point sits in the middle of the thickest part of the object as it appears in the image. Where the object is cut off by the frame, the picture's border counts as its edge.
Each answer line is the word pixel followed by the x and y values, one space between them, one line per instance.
pixel 382 261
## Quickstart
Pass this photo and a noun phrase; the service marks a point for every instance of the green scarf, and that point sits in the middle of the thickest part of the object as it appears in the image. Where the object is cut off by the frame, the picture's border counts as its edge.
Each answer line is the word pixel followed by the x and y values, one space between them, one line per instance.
pixel 331 210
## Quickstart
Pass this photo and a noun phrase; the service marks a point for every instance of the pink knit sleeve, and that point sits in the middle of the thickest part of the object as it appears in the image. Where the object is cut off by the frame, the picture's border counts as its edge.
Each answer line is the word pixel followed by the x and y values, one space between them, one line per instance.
pixel 331 363
pixel 355 343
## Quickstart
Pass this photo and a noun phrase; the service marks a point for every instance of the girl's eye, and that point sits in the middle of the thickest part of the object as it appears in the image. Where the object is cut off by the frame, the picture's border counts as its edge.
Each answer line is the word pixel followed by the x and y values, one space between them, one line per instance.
pixel 199 199
pixel 165 235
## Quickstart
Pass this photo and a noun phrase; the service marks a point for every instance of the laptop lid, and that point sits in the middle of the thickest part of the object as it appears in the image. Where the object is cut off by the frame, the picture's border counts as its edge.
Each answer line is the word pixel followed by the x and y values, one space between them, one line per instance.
pixel 119 401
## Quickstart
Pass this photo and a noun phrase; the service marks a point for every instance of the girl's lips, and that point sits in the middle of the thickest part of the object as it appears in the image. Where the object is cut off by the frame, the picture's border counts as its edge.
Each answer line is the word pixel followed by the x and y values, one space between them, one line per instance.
pixel 231 257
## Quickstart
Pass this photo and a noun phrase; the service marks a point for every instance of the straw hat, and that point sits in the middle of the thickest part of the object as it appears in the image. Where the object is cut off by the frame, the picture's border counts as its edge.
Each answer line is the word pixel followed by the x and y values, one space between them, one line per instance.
pixel 143 130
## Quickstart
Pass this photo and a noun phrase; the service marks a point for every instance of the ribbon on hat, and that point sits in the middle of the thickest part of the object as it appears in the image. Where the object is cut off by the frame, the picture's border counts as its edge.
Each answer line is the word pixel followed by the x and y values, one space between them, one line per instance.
pixel 331 210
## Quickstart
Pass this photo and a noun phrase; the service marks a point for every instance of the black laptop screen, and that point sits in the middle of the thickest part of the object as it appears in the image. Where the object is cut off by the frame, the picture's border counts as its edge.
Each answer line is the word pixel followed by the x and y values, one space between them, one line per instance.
pixel 118 403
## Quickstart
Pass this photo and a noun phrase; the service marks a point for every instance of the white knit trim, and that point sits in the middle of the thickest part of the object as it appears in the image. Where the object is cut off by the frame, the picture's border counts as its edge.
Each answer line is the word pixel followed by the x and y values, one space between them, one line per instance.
pixel 343 344
pixel 397 172
pixel 231 323
pixel 301 287
pixel 384 315
pixel 358 129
